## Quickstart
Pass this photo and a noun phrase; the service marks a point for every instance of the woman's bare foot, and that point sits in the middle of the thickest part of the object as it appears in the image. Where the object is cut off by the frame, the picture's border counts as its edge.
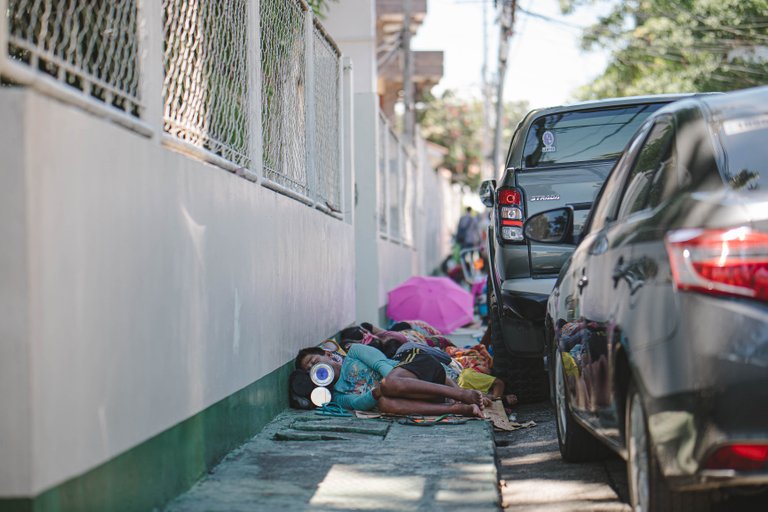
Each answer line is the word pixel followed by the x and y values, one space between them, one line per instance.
pixel 472 396
pixel 471 410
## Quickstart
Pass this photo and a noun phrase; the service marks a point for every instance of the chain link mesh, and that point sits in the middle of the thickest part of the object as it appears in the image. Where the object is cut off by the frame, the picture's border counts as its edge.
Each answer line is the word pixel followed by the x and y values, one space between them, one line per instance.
pixel 91 45
pixel 205 90
pixel 327 120
pixel 282 95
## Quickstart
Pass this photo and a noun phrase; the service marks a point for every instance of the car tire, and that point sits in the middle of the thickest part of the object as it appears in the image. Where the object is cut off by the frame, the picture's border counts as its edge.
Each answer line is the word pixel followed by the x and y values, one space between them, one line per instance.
pixel 523 376
pixel 575 442
pixel 648 490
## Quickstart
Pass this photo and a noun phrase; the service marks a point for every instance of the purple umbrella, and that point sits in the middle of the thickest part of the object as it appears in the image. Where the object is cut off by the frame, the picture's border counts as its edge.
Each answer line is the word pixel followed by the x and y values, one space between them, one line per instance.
pixel 436 300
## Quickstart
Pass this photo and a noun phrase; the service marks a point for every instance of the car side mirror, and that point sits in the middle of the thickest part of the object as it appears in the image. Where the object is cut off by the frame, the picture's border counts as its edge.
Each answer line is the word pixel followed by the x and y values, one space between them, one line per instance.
pixel 487 189
pixel 550 227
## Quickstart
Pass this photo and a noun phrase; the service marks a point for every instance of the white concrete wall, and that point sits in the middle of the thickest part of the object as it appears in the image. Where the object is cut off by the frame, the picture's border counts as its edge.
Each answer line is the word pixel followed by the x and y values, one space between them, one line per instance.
pixel 396 264
pixel 15 386
pixel 141 286
pixel 366 217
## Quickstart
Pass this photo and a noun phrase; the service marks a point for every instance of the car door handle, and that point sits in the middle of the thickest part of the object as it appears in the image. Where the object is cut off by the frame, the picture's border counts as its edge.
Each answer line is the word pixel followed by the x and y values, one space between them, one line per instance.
pixel 584 281
pixel 619 271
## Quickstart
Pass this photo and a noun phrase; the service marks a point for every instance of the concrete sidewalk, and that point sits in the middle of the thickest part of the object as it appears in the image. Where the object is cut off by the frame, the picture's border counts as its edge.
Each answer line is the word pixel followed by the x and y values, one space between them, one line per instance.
pixel 304 461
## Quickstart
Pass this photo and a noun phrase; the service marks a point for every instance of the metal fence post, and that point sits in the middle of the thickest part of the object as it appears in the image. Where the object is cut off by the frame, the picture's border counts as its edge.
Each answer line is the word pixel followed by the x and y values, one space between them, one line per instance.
pixel 255 127
pixel 152 68
pixel 346 141
pixel 309 105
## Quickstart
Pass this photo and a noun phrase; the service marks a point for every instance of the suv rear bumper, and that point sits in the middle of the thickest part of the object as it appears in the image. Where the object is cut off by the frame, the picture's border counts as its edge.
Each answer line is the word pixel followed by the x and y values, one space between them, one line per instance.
pixel 523 307
pixel 526 299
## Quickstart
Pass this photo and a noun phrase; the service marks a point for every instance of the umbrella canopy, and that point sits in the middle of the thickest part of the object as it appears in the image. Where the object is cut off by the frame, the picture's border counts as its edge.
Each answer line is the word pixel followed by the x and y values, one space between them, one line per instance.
pixel 436 300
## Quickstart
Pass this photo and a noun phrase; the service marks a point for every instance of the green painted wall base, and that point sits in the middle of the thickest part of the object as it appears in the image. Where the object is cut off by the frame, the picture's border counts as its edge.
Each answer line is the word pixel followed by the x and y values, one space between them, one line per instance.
pixel 151 474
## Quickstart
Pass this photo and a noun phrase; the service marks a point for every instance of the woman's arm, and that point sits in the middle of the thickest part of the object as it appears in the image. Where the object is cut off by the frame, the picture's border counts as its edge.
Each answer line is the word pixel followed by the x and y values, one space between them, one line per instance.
pixel 371 357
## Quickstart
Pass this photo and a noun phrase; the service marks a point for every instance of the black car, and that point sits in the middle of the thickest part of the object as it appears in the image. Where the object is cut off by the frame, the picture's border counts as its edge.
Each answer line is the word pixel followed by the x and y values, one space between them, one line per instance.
pixel 558 156
pixel 658 323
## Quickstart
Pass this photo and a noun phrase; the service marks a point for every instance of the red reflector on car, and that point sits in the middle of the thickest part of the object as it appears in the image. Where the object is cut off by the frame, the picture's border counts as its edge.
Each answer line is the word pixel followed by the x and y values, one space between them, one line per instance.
pixel 740 457
pixel 719 261
pixel 508 196
pixel 512 223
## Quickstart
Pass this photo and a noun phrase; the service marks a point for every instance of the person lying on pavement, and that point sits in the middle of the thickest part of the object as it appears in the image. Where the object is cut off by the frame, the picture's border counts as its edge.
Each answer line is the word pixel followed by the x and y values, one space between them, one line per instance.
pixel 415 383
pixel 393 342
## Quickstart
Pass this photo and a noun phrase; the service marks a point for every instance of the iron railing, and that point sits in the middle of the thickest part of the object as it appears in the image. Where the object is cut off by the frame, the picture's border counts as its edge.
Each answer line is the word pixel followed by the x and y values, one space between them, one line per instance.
pixel 88 46
pixel 396 181
pixel 251 90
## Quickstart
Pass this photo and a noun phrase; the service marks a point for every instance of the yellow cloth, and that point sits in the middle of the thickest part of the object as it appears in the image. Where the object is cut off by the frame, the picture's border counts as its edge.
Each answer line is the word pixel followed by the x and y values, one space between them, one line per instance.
pixel 473 379
pixel 570 367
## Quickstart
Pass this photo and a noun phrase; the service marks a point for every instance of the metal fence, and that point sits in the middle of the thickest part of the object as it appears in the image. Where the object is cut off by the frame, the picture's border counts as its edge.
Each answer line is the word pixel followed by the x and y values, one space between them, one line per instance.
pixel 326 116
pixel 205 91
pixel 247 89
pixel 283 98
pixel 396 180
pixel 90 46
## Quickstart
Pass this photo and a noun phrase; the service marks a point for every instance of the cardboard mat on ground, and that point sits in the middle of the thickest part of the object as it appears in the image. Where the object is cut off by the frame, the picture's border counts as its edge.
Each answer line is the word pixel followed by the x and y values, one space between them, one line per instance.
pixel 498 417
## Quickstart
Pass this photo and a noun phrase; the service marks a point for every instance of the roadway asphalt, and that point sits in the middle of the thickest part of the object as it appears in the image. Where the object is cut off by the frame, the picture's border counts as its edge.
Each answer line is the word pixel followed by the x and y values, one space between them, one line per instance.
pixel 533 477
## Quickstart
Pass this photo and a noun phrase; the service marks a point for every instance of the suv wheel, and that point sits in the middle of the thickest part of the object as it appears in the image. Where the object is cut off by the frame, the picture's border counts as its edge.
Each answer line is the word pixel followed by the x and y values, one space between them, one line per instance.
pixel 523 376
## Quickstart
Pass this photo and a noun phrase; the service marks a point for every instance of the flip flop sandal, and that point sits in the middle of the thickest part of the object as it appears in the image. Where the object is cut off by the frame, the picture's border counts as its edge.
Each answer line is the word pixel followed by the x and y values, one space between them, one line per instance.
pixel 332 409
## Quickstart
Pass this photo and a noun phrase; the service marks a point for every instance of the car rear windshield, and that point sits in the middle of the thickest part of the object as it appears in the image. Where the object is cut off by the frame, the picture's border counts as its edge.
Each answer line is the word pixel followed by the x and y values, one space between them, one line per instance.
pixel 583 135
pixel 745 151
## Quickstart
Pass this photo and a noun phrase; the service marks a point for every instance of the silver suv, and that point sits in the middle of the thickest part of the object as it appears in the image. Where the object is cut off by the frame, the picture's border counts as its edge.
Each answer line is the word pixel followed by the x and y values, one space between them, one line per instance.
pixel 558 156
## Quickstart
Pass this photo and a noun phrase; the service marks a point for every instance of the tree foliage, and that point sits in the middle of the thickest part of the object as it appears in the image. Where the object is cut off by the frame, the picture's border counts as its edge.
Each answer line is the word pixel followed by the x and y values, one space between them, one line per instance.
pixel 320 7
pixel 457 125
pixel 667 46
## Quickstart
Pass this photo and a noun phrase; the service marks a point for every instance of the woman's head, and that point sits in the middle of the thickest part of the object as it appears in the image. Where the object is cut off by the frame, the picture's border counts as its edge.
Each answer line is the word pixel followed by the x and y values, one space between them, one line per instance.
pixel 310 356
pixel 352 333
pixel 305 353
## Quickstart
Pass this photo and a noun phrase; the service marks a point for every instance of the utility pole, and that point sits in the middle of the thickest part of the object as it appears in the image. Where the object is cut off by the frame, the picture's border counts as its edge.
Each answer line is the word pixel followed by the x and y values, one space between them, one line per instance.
pixel 487 171
pixel 409 119
pixel 506 21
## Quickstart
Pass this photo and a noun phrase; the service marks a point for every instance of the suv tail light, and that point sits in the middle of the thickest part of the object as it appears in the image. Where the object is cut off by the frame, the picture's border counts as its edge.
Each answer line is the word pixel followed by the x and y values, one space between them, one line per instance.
pixel 720 261
pixel 510 201
pixel 741 457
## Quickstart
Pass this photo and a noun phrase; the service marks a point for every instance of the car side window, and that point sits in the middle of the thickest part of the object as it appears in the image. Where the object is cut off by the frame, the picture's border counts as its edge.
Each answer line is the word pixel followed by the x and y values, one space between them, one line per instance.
pixel 652 177
pixel 605 204
pixel 696 155
pixel 666 181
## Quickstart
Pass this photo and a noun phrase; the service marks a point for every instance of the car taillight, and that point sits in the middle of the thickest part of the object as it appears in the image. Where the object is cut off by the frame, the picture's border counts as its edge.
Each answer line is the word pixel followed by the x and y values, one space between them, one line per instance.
pixel 509 201
pixel 740 457
pixel 720 261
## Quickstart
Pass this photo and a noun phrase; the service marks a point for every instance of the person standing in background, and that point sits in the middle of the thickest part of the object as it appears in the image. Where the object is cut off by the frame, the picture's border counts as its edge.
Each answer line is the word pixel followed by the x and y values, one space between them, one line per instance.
pixel 468 231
